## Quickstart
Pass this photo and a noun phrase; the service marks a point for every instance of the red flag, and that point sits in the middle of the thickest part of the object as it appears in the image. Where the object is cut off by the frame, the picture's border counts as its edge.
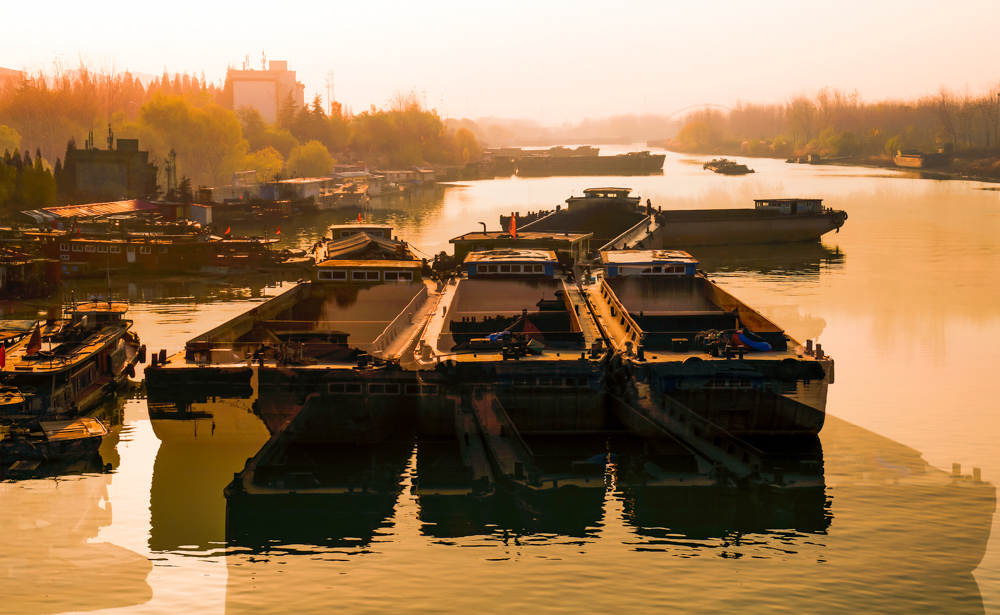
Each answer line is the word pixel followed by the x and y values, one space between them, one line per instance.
pixel 359 216
pixel 3 355
pixel 513 226
pixel 278 232
pixel 228 228
pixel 35 342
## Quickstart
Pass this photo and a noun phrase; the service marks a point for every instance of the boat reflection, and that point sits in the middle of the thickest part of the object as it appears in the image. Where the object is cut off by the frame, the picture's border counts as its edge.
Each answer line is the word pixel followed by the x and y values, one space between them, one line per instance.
pixel 802 257
pixel 849 500
pixel 202 442
pixel 299 490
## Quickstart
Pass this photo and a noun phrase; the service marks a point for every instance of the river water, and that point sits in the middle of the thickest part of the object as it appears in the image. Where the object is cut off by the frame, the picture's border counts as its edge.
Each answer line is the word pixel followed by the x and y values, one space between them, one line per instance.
pixel 905 298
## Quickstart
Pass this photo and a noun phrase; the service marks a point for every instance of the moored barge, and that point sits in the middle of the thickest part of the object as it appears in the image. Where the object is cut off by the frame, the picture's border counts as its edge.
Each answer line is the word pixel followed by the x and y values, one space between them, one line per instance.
pixel 619 221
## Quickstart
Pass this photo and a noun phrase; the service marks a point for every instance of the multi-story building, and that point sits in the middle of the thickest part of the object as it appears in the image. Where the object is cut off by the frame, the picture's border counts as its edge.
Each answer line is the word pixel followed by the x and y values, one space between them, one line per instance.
pixel 265 90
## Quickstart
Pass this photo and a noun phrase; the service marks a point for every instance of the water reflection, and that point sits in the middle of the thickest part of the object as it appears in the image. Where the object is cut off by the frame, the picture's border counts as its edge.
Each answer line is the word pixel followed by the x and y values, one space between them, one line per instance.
pixel 871 521
pixel 202 442
pixel 48 559
pixel 800 258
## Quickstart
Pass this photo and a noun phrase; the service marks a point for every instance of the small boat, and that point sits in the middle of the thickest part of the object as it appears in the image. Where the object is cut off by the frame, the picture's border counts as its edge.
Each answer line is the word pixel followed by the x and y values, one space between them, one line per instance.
pixel 727 167
pixel 58 441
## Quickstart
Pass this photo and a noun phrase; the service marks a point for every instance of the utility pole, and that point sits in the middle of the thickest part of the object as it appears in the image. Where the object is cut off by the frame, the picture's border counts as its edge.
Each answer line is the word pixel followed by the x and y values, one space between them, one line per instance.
pixel 329 92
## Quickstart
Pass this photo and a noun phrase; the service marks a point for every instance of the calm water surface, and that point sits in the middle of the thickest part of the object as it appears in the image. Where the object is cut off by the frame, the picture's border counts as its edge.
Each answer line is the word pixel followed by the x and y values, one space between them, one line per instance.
pixel 905 298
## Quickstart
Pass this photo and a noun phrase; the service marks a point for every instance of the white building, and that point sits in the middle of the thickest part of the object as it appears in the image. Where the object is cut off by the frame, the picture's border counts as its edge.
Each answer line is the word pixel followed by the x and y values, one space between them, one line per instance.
pixel 266 90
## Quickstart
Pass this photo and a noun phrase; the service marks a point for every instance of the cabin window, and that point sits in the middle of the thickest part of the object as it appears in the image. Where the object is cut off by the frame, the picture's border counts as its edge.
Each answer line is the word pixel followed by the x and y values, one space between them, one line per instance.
pixel 64 247
pixel 504 268
pixel 64 257
pixel 325 275
pixel 77 247
pixel 90 248
pixel 406 276
pixel 391 276
pixel 482 268
pixel 102 249
pixel 383 389
pixel 365 276
pixel 145 250
pixel 412 389
pixel 344 388
pixel 338 275
pixel 115 249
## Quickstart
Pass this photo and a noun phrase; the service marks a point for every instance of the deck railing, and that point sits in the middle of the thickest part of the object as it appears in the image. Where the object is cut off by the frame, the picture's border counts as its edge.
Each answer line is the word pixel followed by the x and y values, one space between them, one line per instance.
pixel 403 320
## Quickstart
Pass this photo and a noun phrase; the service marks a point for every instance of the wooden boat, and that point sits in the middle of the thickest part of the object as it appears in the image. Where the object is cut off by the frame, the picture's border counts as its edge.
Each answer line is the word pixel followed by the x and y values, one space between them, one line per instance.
pixel 58 441
pixel 88 355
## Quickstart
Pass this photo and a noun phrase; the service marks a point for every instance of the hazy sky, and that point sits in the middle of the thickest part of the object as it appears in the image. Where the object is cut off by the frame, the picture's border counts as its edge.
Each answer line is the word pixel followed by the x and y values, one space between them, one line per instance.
pixel 549 61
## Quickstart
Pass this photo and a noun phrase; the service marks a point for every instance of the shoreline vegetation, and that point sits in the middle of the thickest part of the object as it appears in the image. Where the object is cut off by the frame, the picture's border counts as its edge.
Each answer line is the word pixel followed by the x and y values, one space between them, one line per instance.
pixel 193 124
pixel 839 128
pixel 967 166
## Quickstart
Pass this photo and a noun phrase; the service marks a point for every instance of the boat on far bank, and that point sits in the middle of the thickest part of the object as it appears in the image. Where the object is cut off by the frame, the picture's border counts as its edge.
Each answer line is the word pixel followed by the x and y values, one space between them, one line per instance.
pixel 914 159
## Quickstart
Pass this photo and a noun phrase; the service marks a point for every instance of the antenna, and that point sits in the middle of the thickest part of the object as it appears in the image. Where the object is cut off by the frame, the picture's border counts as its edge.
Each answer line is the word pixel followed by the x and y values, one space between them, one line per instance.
pixel 263 60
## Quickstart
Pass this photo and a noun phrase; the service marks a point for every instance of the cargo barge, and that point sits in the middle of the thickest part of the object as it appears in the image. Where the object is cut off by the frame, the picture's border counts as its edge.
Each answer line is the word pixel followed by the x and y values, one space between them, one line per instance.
pixel 684 346
pixel 619 221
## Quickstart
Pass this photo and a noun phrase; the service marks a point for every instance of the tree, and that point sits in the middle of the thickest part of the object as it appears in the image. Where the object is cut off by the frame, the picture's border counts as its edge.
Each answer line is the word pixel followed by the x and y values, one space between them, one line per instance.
pixel 310 160
pixel 267 163
pixel 9 138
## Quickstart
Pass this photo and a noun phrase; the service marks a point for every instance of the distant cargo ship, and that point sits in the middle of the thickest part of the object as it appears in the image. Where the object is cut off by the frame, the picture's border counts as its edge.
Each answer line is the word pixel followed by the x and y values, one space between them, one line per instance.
pixel 632 163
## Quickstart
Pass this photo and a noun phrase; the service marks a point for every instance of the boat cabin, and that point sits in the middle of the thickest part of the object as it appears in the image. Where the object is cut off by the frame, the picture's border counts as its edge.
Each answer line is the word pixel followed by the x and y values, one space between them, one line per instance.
pixel 342 231
pixel 790 206
pixel 573 245
pixel 602 197
pixel 534 263
pixel 648 263
pixel 368 271
pixel 97 313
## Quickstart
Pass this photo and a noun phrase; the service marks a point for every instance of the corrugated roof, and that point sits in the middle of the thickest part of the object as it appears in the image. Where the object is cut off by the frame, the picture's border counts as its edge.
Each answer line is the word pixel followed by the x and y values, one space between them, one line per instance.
pixel 93 209
pixel 364 244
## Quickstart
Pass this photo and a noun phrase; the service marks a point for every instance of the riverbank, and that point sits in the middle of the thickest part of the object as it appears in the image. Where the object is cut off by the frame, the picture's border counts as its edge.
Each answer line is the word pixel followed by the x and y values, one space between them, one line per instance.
pixel 973 166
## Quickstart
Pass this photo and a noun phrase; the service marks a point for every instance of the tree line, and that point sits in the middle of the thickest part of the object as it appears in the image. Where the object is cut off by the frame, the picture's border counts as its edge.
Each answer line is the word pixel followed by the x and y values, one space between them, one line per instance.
pixel 839 124
pixel 210 141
